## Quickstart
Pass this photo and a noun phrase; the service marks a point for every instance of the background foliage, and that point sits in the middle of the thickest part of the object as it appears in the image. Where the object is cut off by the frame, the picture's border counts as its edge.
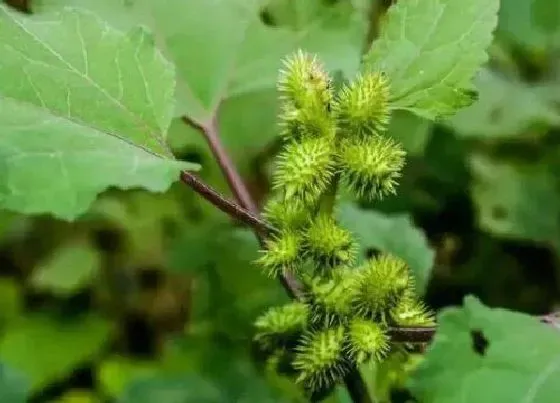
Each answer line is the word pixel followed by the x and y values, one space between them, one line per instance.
pixel 150 297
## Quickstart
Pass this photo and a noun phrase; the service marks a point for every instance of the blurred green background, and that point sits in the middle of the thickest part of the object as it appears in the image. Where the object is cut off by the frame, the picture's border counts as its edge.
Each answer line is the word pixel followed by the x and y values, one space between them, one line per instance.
pixel 150 298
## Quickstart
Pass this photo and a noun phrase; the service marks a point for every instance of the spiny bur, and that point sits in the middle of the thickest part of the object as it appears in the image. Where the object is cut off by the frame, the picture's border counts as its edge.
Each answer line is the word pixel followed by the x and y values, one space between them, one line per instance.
pixel 305 88
pixel 279 324
pixel 367 339
pixel 284 215
pixel 330 300
pixel 319 358
pixel 303 79
pixel 371 166
pixel 281 254
pixel 381 282
pixel 362 107
pixel 411 312
pixel 328 244
pixel 304 170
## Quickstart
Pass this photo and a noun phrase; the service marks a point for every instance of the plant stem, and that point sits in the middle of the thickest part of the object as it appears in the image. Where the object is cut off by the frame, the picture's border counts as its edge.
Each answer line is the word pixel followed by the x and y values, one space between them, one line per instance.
pixel 233 178
pixel 227 206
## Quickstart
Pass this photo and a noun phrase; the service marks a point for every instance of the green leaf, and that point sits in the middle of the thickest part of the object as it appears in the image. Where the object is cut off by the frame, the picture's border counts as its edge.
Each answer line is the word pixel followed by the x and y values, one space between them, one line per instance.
pixel 505 108
pixel 394 234
pixel 82 107
pixel 46 350
pixel 239 54
pixel 13 386
pixel 430 50
pixel 516 358
pixel 515 201
pixel 69 268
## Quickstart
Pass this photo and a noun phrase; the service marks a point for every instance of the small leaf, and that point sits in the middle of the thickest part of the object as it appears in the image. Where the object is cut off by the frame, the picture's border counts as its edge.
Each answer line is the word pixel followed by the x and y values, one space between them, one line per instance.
pixel 46 350
pixel 82 107
pixel 394 234
pixel 482 355
pixel 69 268
pixel 430 50
pixel 516 201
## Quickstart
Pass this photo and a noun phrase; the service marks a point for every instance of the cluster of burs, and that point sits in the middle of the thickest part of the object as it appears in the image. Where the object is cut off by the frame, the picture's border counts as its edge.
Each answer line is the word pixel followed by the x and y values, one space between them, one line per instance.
pixel 332 140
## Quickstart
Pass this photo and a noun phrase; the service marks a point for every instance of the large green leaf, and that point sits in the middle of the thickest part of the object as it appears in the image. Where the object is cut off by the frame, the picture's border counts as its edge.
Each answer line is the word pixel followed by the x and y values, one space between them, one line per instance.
pixel 515 200
pixel 484 355
pixel 45 349
pixel 82 107
pixel 430 50
pixel 394 234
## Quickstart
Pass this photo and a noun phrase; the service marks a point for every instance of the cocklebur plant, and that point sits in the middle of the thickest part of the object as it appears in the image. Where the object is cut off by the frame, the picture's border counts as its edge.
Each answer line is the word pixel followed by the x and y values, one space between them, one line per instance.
pixel 331 140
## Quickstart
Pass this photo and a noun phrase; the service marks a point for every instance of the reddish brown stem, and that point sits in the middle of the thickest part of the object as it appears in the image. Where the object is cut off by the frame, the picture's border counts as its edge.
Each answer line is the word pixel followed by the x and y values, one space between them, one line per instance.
pixel 233 178
pixel 227 206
